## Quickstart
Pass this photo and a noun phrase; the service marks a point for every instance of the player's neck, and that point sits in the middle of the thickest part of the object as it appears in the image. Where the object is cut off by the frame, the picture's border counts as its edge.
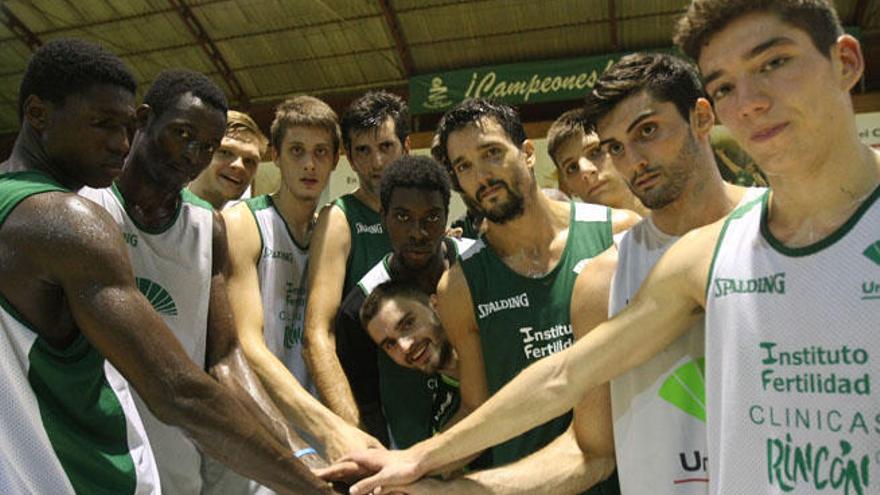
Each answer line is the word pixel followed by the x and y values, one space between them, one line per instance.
pixel 367 198
pixel 706 199
pixel 147 202
pixel 534 230
pixel 298 214
pixel 29 154
pixel 215 198
pixel 425 277
pixel 808 205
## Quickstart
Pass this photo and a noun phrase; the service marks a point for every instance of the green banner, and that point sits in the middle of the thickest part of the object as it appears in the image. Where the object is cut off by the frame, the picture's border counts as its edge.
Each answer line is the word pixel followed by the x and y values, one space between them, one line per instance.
pixel 551 80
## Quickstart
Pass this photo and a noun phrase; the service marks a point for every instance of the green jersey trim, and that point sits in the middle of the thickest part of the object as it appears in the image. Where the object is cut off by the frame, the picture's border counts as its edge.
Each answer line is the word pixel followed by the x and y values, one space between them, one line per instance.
pixel 143 228
pixel 37 181
pixel 828 241
pixel 734 215
pixel 190 197
pixel 253 206
pixel 265 202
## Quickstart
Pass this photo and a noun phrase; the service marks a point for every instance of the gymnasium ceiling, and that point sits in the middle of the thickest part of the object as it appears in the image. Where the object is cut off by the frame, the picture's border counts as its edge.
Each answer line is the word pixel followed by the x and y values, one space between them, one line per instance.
pixel 260 51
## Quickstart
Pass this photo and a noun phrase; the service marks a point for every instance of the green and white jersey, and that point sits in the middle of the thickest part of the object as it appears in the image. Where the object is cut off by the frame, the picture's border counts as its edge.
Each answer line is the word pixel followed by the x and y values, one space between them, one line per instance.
pixel 172 267
pixel 659 408
pixel 415 405
pixel 369 242
pixel 523 319
pixel 282 273
pixel 793 358
pixel 69 422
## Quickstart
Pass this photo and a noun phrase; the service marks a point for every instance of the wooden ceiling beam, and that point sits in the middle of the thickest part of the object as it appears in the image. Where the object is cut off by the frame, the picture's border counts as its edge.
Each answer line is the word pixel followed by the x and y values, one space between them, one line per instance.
pixel 612 25
pixel 22 32
pixel 210 48
pixel 393 24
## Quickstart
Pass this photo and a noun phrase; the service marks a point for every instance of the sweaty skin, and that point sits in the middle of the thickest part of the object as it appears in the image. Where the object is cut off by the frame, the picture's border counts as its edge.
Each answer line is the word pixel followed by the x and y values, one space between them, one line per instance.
pixel 65 269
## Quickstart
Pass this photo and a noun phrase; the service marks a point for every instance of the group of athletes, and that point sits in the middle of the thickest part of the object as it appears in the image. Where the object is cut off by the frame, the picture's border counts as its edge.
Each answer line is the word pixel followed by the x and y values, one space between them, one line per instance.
pixel 671 333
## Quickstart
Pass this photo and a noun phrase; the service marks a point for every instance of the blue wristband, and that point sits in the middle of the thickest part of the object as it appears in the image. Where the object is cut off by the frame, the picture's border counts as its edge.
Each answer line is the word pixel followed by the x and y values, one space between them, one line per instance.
pixel 302 452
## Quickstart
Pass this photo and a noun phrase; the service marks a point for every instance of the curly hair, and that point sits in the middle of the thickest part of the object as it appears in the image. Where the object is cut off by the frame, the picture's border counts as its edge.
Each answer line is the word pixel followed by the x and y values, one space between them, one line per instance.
pixel 473 111
pixel 171 84
pixel 664 76
pixel 417 172
pixel 704 18
pixel 68 66
pixel 371 111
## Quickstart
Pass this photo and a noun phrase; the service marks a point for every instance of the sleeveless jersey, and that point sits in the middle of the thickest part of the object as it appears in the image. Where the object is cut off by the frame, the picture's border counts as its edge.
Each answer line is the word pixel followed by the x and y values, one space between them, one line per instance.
pixel 282 272
pixel 793 358
pixel 172 267
pixel 659 408
pixel 416 405
pixel 523 319
pixel 369 242
pixel 69 422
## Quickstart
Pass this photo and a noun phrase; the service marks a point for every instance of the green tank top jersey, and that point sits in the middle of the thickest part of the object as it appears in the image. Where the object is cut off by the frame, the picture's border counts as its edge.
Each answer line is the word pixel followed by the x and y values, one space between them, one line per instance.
pixel 369 242
pixel 523 319
pixel 70 425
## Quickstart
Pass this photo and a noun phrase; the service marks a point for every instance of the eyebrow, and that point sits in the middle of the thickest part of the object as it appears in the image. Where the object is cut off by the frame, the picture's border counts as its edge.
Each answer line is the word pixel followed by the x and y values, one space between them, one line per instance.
pixel 638 120
pixel 401 320
pixel 754 52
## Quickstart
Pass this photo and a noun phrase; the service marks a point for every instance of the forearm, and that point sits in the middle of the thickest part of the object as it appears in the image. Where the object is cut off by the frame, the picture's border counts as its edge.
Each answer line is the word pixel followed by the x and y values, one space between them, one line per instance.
pixel 549 396
pixel 330 379
pixel 223 427
pixel 295 402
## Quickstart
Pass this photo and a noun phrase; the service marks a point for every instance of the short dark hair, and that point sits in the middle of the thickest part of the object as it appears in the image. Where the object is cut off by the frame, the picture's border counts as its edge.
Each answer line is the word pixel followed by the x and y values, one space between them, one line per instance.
pixel 665 77
pixel 388 290
pixel 472 111
pixel 704 18
pixel 569 124
pixel 307 111
pixel 415 171
pixel 171 84
pixel 371 111
pixel 67 66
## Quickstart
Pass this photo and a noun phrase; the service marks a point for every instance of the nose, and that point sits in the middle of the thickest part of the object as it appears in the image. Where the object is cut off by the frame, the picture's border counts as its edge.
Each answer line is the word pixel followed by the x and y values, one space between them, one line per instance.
pixel 751 100
pixel 589 171
pixel 237 163
pixel 119 142
pixel 309 164
pixel 405 344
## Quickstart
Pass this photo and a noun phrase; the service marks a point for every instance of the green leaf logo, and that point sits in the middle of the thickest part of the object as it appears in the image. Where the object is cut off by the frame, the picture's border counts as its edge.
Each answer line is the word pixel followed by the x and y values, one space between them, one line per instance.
pixel 161 300
pixel 686 389
pixel 872 252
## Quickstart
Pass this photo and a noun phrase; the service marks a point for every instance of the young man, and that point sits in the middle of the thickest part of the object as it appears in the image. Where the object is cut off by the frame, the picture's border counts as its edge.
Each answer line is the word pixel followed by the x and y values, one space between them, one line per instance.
pixel 414 203
pixel 177 244
pixel 401 319
pixel 583 167
pixel 348 240
pixel 654 106
pixel 785 281
pixel 68 299
pixel 234 163
pixel 508 302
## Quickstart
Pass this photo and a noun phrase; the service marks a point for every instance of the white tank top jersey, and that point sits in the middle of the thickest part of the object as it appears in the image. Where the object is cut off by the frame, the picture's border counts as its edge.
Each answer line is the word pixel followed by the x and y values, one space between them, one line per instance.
pixel 659 408
pixel 172 268
pixel 793 358
pixel 282 272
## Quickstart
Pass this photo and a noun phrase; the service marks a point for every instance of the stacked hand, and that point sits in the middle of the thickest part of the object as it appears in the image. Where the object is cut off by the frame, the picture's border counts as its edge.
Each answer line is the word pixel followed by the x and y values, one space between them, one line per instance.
pixel 383 471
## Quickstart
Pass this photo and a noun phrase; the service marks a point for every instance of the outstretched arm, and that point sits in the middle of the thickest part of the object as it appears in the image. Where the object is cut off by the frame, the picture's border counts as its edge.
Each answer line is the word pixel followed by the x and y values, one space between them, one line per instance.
pixel 669 301
pixel 299 407
pixel 328 255
pixel 80 249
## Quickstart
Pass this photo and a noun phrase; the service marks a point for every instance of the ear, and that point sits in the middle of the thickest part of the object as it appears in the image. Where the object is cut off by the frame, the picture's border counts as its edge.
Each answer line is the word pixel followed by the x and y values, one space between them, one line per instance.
pixel 528 147
pixel 142 115
pixel 848 53
pixel 702 118
pixel 36 112
pixel 335 160
pixel 382 219
pixel 432 301
pixel 275 155
pixel 406 146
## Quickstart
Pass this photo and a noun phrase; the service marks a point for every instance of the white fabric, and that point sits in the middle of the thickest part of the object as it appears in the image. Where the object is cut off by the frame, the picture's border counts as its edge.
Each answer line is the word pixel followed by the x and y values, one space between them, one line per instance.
pixel 659 438
pixel 179 261
pixel 772 429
